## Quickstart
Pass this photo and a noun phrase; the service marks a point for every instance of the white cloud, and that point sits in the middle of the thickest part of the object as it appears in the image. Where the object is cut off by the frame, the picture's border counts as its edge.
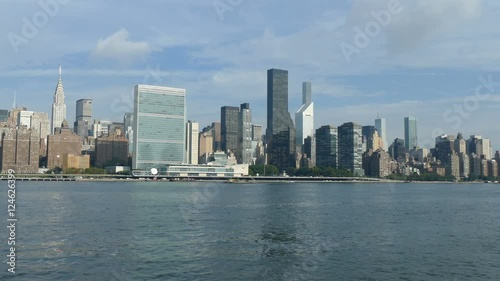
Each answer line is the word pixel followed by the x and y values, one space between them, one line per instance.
pixel 118 47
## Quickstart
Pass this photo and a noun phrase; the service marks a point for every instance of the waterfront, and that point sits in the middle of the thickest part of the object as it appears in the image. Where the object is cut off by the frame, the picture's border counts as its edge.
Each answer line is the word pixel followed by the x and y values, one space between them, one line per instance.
pixel 279 231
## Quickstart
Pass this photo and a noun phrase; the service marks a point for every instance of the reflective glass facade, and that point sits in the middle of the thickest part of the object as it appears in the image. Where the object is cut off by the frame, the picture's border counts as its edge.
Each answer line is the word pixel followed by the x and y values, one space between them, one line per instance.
pixel 159 126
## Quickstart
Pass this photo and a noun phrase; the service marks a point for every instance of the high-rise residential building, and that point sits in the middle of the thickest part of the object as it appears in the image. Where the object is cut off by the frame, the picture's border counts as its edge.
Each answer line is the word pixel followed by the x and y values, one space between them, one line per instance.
pixel 20 151
pixel 479 145
pixel 327 142
pixel 493 168
pixel 280 133
pixel 229 116
pixel 58 106
pixel 159 126
pixel 351 148
pixel 411 136
pixel 192 135
pixel 111 151
pixel 379 164
pixel 64 141
pixel 244 154
pixel 453 166
pixel 381 127
pixel 304 118
pixel 464 162
pixel 83 119
pixel 256 132
pixel 486 147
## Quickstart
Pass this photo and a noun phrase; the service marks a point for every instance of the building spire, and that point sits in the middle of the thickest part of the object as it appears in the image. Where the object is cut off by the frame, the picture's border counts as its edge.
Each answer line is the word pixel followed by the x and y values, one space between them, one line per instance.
pixel 60 72
pixel 14 104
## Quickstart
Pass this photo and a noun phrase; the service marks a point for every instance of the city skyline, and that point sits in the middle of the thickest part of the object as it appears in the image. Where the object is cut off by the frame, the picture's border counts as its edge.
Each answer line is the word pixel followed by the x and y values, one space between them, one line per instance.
pixel 427 75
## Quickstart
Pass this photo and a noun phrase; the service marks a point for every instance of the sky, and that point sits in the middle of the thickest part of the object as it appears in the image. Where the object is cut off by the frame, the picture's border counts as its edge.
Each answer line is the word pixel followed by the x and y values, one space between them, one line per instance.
pixel 435 60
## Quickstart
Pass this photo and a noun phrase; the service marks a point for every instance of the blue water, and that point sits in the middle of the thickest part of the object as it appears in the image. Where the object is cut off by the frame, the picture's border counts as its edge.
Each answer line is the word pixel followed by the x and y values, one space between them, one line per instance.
pixel 208 231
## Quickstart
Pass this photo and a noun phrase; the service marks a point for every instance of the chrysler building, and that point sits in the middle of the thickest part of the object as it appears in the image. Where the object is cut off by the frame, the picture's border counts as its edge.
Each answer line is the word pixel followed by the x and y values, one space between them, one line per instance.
pixel 58 107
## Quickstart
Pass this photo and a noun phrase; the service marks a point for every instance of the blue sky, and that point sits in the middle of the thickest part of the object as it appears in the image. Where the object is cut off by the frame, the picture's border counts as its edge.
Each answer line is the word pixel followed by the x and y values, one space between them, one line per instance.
pixel 425 61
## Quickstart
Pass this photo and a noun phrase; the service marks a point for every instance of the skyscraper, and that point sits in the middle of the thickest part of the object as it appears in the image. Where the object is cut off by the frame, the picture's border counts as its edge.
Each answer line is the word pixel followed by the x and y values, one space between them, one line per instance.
pixel 58 106
pixel 327 146
pixel 380 126
pixel 304 118
pixel 280 133
pixel 83 118
pixel 351 148
pixel 411 136
pixel 159 126
pixel 192 135
pixel 229 116
pixel 245 135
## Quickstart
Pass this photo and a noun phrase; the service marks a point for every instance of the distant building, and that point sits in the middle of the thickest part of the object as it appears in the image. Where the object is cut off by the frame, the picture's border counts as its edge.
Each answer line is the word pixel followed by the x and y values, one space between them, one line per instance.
pixel 351 148
pixel 257 132
pixel 453 166
pixel 381 127
pixel 475 165
pixel 398 151
pixel 280 133
pixel 205 144
pixel 464 165
pixel 192 135
pixel 111 151
pixel 304 118
pixel 4 116
pixel 40 122
pixel 159 126
pixel 20 151
pixel 493 168
pixel 460 145
pixel 83 118
pixel 24 118
pixel 245 135
pixel 63 142
pixel 229 128
pixel 327 142
pixel 411 136
pixel 217 134
pixel 128 124
pixel 380 164
pixel 309 151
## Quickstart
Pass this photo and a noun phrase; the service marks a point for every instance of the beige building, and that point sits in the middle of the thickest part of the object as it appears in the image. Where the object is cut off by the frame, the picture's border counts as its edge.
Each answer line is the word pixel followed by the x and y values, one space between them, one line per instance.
pixel 71 161
pixel 64 141
pixel 20 151
pixel 206 144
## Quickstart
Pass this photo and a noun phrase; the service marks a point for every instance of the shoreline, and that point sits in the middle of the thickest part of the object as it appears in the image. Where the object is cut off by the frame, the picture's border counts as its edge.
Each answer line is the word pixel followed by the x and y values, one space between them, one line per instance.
pixel 240 180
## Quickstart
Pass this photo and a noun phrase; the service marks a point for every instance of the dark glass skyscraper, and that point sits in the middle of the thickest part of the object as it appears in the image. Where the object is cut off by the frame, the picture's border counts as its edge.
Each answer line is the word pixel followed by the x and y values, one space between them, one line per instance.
pixel 280 133
pixel 351 148
pixel 229 116
pixel 327 146
pixel 411 136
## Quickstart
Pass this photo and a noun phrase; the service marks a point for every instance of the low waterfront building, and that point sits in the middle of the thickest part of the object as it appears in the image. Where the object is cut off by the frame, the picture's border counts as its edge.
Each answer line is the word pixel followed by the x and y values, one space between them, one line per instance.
pixel 185 171
pixel 71 161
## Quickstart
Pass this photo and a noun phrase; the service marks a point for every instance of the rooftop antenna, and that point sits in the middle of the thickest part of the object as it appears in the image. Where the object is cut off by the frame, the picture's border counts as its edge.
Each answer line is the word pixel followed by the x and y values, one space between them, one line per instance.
pixel 14 104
